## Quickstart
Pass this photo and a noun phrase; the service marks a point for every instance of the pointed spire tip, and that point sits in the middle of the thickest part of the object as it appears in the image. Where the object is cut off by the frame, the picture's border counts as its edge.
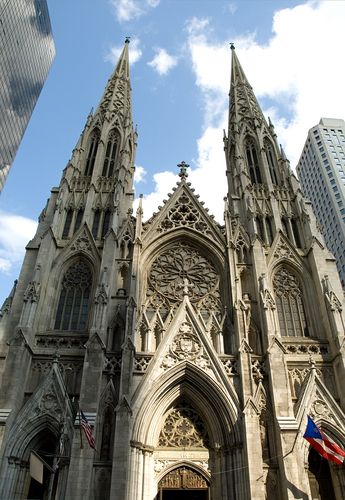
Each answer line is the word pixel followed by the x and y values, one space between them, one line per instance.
pixel 127 39
pixel 232 46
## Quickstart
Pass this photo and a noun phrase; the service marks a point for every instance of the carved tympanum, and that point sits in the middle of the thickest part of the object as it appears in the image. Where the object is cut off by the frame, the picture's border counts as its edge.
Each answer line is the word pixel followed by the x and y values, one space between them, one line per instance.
pixel 183 478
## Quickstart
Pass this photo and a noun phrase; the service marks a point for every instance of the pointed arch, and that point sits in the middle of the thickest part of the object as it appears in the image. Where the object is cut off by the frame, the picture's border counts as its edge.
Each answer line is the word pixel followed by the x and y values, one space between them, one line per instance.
pixel 188 381
pixel 111 153
pixel 271 160
pixel 253 162
pixel 74 299
pixel 106 423
pixel 290 304
pixel 92 151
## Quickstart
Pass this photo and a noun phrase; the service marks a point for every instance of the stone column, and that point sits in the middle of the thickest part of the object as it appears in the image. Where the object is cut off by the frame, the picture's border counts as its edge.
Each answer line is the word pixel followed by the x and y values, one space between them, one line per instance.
pixel 80 472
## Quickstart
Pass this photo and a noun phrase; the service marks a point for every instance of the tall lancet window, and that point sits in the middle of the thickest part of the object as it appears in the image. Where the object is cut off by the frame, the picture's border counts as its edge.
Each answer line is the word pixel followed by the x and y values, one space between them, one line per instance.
pixel 110 155
pixel 289 302
pixel 253 162
pixel 91 155
pixel 271 161
pixel 73 307
pixel 68 222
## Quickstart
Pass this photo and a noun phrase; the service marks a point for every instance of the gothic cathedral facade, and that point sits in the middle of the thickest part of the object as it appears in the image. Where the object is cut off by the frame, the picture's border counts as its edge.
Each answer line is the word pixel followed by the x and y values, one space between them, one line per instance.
pixel 195 350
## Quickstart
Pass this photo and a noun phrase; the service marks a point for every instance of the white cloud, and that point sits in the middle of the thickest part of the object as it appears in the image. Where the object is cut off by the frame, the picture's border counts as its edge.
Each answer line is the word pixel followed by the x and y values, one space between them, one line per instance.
pixel 153 3
pixel 135 52
pixel 139 174
pixel 197 24
pixel 162 61
pixel 127 10
pixel 15 232
pixel 232 8
pixel 164 182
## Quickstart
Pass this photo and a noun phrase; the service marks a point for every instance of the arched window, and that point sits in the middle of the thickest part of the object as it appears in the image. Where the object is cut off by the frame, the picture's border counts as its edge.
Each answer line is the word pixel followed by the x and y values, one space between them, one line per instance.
pixel 73 307
pixel 289 302
pixel 110 155
pixel 271 161
pixel 295 231
pixel 91 156
pixel 253 162
pixel 95 225
pixel 269 230
pixel 78 219
pixel 106 222
pixel 68 222
pixel 285 227
pixel 260 228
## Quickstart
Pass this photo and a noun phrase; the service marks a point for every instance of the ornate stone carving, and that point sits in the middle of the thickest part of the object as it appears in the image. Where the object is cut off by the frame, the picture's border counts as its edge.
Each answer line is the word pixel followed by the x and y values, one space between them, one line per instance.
pixel 307 348
pixel 61 341
pixel 185 213
pixel 297 375
pixel 32 292
pixel 112 363
pixel 258 370
pixel 49 403
pixel 161 465
pixel 319 409
pixel 183 428
pixel 283 251
pixel 185 347
pixel 141 363
pixel 81 244
pixel 183 478
pixel 230 365
pixel 177 263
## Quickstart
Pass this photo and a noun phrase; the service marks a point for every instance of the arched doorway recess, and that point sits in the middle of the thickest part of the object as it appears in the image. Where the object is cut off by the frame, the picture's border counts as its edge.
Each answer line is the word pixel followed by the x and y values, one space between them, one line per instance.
pixel 183 483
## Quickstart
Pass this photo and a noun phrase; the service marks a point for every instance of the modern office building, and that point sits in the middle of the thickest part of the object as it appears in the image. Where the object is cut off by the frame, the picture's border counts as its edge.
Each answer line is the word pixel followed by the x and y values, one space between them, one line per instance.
pixel 321 169
pixel 26 54
pixel 195 350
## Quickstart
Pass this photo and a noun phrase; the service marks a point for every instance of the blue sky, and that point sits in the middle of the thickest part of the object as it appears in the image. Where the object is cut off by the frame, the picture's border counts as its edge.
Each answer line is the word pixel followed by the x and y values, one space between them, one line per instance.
pixel 292 53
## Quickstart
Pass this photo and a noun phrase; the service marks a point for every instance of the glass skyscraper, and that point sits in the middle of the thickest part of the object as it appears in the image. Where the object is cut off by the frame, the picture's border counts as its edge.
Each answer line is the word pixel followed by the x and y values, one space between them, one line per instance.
pixel 321 170
pixel 26 54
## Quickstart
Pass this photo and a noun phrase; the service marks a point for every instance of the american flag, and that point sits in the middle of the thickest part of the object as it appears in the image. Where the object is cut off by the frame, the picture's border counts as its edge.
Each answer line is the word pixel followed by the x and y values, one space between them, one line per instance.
pixel 87 430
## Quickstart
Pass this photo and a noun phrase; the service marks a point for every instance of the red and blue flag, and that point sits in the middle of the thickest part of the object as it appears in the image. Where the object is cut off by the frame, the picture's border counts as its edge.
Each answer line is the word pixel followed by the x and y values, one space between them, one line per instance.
pixel 323 444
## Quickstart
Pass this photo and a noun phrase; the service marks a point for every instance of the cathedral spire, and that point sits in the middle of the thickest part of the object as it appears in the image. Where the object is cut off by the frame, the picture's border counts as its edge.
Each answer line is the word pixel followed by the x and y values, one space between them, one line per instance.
pixel 244 107
pixel 117 94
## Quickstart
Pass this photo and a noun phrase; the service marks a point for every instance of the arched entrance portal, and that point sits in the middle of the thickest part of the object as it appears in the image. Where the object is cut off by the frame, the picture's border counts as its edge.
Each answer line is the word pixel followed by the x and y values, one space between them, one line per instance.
pixel 320 478
pixel 183 483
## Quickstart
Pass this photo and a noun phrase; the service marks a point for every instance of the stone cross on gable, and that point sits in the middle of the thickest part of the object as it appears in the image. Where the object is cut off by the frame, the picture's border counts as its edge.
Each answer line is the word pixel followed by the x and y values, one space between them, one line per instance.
pixel 185 285
pixel 183 169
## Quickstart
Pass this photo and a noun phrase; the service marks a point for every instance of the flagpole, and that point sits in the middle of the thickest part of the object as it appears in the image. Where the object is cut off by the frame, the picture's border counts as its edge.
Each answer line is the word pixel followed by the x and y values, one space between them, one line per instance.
pixel 80 432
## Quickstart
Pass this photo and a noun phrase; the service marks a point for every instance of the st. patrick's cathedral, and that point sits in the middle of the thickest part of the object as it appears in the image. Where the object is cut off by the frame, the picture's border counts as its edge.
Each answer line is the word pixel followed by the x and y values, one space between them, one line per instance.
pixel 195 350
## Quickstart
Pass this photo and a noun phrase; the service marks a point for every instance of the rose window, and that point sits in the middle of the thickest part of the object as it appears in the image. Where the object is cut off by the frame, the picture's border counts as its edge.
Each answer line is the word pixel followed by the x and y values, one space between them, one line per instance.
pixel 180 267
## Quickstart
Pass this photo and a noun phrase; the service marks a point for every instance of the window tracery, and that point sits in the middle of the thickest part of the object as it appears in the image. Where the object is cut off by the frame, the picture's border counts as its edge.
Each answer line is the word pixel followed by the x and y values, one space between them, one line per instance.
pixel 271 161
pixel 91 156
pixel 73 306
pixel 183 428
pixel 253 162
pixel 185 213
pixel 183 262
pixel 289 303
pixel 110 155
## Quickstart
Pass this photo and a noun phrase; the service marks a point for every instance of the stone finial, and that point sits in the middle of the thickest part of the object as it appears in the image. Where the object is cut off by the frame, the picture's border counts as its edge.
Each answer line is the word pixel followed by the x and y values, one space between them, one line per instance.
pixel 127 39
pixel 183 169
pixel 232 46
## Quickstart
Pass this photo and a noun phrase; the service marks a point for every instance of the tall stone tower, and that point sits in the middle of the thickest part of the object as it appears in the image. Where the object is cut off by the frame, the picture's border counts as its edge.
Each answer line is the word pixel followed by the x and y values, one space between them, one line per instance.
pixel 195 350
